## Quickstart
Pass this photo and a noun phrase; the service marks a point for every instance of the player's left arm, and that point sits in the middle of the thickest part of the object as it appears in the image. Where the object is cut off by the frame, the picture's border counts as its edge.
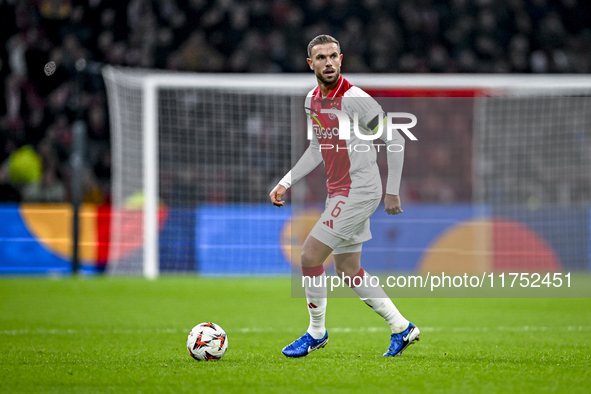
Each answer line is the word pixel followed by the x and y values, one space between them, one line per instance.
pixel 395 156
pixel 372 115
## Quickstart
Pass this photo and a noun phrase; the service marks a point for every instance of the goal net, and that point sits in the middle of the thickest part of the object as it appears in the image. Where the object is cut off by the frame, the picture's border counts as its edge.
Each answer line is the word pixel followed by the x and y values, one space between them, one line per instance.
pixel 499 178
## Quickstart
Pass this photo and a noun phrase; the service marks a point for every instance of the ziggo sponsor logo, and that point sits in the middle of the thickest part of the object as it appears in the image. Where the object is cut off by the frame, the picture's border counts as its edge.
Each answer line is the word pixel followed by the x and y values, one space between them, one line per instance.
pixel 325 132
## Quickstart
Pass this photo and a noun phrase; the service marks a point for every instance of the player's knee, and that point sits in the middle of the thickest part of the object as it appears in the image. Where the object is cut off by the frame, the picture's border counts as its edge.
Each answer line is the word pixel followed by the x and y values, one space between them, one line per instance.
pixel 346 272
pixel 344 269
pixel 311 257
pixel 307 259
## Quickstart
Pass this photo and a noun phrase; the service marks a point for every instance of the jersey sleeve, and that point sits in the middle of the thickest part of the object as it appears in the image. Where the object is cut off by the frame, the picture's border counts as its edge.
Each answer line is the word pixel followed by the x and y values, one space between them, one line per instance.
pixel 395 156
pixel 369 110
pixel 366 107
pixel 309 160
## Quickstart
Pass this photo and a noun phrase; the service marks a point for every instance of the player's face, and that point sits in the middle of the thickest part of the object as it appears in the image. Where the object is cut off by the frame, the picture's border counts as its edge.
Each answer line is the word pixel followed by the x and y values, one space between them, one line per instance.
pixel 326 62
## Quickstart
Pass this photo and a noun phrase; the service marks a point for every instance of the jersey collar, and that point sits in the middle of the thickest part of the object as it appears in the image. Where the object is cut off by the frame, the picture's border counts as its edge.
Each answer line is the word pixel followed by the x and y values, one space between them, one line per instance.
pixel 333 93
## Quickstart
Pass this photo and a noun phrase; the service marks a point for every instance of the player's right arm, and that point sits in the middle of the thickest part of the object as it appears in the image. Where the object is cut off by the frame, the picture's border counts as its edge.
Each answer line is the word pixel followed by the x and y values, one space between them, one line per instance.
pixel 276 195
pixel 309 160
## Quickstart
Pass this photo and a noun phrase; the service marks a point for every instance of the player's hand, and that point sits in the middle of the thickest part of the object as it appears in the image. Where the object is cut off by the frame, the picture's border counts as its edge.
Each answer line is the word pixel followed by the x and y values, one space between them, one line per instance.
pixel 276 195
pixel 392 204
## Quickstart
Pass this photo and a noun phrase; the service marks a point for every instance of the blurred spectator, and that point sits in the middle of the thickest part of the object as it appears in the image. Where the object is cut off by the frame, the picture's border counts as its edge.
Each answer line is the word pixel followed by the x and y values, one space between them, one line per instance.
pixel 24 166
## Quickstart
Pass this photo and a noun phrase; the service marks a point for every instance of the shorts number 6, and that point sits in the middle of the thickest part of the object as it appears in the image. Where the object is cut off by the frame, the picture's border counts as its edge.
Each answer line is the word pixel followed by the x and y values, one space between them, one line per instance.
pixel 337 210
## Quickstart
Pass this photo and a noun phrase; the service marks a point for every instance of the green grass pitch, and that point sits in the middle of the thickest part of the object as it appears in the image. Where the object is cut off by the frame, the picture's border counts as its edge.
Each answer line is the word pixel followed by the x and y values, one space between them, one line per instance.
pixel 128 335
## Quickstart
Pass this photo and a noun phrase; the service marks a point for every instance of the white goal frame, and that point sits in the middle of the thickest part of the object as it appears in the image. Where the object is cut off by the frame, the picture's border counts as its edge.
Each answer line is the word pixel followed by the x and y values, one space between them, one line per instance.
pixel 300 84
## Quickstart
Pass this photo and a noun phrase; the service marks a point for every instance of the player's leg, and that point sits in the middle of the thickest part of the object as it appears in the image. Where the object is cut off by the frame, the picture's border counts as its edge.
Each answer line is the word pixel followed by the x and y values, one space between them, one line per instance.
pixel 313 255
pixel 348 264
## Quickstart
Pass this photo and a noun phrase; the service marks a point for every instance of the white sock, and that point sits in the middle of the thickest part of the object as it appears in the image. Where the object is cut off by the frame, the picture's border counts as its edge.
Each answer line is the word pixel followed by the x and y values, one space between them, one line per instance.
pixel 377 299
pixel 316 295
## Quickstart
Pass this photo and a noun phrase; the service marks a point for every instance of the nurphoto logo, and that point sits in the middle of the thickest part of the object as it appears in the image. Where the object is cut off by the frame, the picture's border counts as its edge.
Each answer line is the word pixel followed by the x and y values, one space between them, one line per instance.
pixel 324 133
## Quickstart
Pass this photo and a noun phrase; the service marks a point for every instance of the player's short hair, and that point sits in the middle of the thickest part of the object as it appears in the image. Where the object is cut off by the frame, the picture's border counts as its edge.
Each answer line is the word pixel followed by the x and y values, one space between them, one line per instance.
pixel 322 39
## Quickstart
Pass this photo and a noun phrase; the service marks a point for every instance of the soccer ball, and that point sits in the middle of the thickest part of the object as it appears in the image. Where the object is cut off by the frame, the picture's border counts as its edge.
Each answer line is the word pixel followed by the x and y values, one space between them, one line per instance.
pixel 207 341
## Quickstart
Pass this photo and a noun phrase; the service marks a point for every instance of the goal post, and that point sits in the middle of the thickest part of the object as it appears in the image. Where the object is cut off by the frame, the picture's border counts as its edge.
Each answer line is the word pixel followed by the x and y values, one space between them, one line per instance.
pixel 150 169
pixel 194 157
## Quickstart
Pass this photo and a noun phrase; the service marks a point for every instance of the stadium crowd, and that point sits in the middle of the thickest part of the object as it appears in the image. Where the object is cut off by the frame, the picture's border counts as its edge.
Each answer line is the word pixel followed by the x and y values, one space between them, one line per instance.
pixel 379 36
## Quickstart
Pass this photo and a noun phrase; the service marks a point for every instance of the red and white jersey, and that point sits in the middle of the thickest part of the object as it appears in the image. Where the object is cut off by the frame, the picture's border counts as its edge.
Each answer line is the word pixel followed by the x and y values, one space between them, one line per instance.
pixel 350 164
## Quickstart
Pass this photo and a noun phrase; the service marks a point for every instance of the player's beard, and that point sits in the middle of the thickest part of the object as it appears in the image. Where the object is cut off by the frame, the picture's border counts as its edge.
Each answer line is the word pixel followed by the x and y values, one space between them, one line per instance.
pixel 325 80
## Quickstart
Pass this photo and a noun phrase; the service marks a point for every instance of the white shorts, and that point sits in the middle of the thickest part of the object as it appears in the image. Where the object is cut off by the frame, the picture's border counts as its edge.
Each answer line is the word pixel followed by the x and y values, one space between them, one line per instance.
pixel 344 224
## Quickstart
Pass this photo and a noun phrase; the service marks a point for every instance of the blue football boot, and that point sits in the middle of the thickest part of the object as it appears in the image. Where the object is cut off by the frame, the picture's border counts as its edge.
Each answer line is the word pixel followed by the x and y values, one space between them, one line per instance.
pixel 400 341
pixel 304 345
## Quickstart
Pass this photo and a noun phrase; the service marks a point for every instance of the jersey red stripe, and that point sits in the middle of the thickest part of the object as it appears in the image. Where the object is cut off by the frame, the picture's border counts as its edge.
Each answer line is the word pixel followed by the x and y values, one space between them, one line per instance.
pixel 337 165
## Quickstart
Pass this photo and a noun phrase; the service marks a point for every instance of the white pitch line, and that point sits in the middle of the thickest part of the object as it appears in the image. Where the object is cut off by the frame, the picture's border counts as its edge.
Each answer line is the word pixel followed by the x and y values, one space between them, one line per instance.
pixel 246 330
